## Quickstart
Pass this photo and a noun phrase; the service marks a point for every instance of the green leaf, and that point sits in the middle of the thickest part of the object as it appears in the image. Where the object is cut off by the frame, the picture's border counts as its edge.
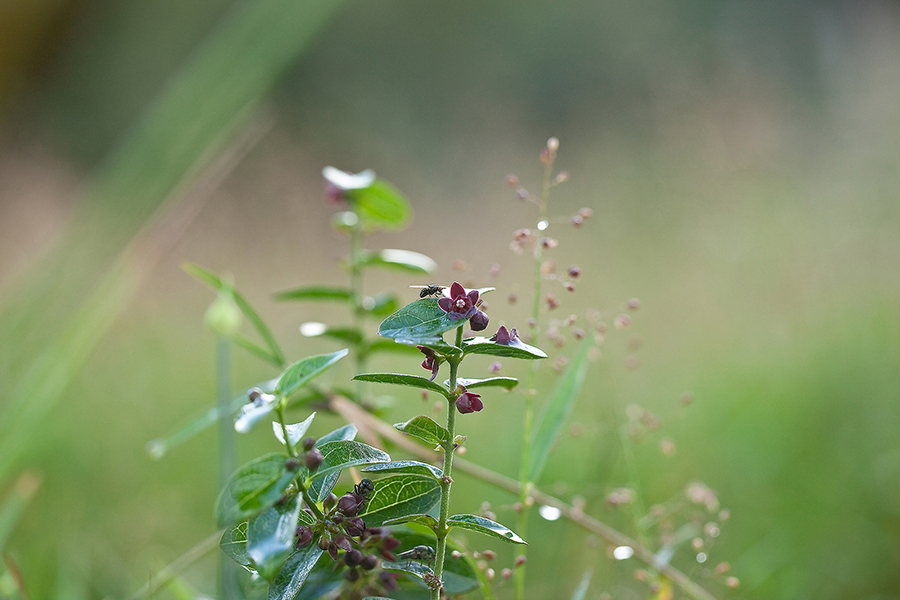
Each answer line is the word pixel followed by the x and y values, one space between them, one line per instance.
pixel 316 292
pixel 270 537
pixel 382 345
pixel 396 496
pixel 381 305
pixel 304 370
pixel 253 488
pixel 295 431
pixel 343 454
pixel 157 448
pixel 406 380
pixel 515 349
pixel 557 409
pixel 380 206
pixel 485 526
pixel 293 573
pixel 426 429
pixel 257 322
pixel 234 544
pixel 419 322
pixel 504 382
pixel 406 466
pixel 252 413
pixel 257 350
pixel 460 574
pixel 406 261
pixel 408 567
pixel 426 520
pixel 321 487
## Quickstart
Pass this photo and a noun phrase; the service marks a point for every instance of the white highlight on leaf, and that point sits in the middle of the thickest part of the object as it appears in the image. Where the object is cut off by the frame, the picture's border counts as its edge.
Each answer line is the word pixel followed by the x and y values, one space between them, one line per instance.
pixel 551 513
pixel 313 329
pixel 349 181
pixel 623 552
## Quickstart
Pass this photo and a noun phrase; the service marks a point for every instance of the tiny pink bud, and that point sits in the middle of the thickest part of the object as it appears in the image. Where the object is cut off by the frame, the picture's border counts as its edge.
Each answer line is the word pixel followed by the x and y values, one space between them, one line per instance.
pixel 512 180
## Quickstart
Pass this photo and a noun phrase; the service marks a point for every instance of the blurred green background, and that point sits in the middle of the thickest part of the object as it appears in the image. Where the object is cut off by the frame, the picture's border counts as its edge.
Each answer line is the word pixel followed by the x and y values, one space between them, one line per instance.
pixel 741 160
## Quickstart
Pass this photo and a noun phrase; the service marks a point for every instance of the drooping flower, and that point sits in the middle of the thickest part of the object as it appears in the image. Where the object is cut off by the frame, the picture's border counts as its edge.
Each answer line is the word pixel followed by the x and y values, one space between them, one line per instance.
pixel 469 403
pixel 461 304
pixel 505 337
pixel 432 361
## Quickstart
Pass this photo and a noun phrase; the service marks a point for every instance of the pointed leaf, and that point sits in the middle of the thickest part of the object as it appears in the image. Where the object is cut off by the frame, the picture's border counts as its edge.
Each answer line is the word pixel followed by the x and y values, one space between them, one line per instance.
pixel 293 573
pixel 420 322
pixel 426 429
pixel 396 496
pixel 252 413
pixel 406 466
pixel 316 292
pixel 515 349
pixel 485 526
pixel 270 537
pixel 504 382
pixel 234 544
pixel 387 345
pixel 295 431
pixel 557 409
pixel 257 350
pixel 302 371
pixel 257 322
pixel 342 454
pixel 409 567
pixel 253 488
pixel 321 487
pixel 426 520
pixel 381 305
pixel 400 260
pixel 460 574
pixel 380 206
pixel 406 380
pixel 157 448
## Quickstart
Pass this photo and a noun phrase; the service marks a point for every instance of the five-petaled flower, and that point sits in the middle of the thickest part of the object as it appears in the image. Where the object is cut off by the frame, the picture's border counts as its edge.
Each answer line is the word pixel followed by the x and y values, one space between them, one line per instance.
pixel 461 304
pixel 505 337
pixel 468 402
pixel 432 361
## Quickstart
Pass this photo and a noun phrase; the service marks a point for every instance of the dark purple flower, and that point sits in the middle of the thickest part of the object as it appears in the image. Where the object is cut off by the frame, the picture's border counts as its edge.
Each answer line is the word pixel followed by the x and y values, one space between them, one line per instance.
pixel 469 403
pixel 304 536
pixel 479 321
pixel 354 526
pixel 505 337
pixel 432 361
pixel 461 304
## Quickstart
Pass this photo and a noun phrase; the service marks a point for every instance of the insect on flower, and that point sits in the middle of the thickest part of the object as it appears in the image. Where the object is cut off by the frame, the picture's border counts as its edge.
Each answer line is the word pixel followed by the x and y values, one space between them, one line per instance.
pixel 429 291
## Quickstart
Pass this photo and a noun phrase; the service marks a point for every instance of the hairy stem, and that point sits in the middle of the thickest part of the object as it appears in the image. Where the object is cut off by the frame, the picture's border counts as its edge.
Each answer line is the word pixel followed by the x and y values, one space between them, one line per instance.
pixel 446 481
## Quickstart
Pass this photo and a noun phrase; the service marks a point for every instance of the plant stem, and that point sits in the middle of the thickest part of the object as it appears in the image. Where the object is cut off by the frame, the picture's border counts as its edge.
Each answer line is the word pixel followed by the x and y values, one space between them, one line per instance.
pixel 293 453
pixel 530 392
pixel 227 569
pixel 446 480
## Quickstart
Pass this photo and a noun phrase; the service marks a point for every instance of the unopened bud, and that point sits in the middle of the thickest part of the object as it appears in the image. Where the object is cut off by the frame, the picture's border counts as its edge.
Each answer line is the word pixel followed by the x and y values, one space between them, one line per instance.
pixel 552 302
pixel 512 180
pixel 489 555
pixel 455 554
pixel 548 243
pixel 732 582
pixel 520 560
pixel 223 316
pixel 329 502
pixel 562 177
pixel 479 321
pixel 585 213
pixel 722 568
pixel 574 271
pixel 291 464
pixel 369 562
pixel 634 304
pixel 622 321
pixel 313 459
pixel 569 286
pixel 304 537
pixel 576 221
pixel 489 574
pixel 309 443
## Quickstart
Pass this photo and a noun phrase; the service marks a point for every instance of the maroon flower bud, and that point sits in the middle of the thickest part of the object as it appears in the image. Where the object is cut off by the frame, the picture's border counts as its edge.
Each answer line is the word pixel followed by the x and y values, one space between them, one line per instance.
pixel 329 502
pixel 309 443
pixel 343 542
pixel 576 221
pixel 353 557
pixel 390 543
pixel 324 542
pixel 432 361
pixel 388 556
pixel 333 551
pixel 369 562
pixel 585 213
pixel 389 581
pixel 512 180
pixel 469 403
pixel 291 464
pixel 313 459
pixel 461 304
pixel 304 536
pixel 350 503
pixel 574 271
pixel 337 518
pixel 505 337
pixel 479 321
pixel 351 574
pixel 354 526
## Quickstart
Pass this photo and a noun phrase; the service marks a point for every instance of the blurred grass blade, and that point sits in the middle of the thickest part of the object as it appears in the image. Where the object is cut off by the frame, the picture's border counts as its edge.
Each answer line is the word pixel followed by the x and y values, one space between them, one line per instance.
pixel 219 284
pixel 13 505
pixel 581 591
pixel 557 409
pixel 197 114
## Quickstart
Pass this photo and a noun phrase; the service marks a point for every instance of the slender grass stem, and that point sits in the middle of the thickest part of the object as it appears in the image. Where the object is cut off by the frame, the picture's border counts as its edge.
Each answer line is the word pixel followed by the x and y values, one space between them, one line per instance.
pixel 356 287
pixel 227 569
